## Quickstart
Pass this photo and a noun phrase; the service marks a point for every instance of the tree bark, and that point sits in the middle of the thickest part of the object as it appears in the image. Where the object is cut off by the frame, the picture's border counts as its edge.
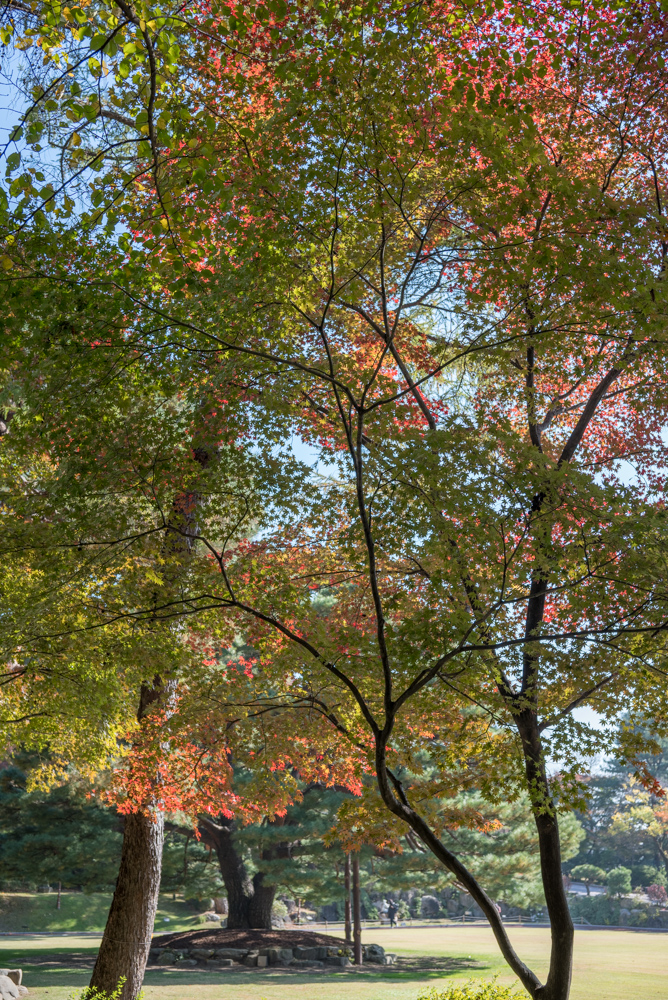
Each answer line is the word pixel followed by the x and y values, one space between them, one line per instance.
pixel 261 903
pixel 347 913
pixel 127 934
pixel 250 900
pixel 558 984
pixel 357 911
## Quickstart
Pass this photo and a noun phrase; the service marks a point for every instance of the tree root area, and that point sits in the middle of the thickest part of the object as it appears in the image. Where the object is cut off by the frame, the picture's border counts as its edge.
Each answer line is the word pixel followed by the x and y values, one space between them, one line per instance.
pixel 223 938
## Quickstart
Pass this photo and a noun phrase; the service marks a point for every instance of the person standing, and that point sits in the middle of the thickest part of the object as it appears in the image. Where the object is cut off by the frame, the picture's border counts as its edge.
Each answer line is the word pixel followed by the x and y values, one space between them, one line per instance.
pixel 392 911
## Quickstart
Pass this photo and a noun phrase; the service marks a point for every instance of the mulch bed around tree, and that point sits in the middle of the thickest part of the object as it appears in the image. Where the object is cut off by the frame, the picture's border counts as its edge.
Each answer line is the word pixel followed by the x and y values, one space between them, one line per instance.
pixel 223 938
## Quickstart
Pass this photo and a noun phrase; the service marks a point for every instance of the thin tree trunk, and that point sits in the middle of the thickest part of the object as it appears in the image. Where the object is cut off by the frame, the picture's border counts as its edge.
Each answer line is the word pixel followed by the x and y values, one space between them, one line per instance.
pixel 60 885
pixel 357 911
pixel 562 933
pixel 399 805
pixel 347 913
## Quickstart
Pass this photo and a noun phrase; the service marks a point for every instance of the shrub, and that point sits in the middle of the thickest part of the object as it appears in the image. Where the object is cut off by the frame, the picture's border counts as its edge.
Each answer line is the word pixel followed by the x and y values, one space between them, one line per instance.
pixel 643 876
pixel 658 894
pixel 92 993
pixel 474 989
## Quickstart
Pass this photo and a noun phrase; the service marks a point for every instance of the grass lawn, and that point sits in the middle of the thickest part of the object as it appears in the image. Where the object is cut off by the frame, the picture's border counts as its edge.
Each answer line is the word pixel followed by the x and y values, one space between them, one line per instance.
pixel 609 965
pixel 22 911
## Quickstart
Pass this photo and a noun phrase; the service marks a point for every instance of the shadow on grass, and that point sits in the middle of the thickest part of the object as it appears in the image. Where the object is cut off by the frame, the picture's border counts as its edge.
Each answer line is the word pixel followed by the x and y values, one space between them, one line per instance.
pixel 73 969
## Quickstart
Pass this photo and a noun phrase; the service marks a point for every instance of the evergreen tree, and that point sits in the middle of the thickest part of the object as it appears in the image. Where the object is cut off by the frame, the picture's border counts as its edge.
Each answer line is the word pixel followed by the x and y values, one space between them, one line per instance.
pixel 55 835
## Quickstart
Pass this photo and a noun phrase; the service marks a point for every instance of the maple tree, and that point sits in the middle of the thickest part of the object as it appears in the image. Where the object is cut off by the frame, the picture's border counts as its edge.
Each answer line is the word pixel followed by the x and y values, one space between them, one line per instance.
pixel 453 281
pixel 443 286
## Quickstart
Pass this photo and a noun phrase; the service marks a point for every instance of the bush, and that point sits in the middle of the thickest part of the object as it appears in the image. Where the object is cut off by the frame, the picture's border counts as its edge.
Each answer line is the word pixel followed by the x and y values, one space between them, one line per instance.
pixel 658 894
pixel 92 993
pixel 472 990
pixel 643 876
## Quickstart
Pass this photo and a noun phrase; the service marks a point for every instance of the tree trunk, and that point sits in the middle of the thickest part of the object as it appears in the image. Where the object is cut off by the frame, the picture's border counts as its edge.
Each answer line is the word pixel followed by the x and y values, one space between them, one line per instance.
pixel 357 910
pixel 249 900
pixel 347 913
pixel 127 935
pixel 261 903
pixel 558 983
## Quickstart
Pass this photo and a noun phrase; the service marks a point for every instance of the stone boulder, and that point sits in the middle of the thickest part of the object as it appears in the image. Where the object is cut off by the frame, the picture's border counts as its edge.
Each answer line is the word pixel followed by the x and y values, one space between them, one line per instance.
pixel 10 984
pixel 374 953
pixel 16 975
pixel 306 954
pixel 167 957
pixel 234 953
pixel 429 907
pixel 201 953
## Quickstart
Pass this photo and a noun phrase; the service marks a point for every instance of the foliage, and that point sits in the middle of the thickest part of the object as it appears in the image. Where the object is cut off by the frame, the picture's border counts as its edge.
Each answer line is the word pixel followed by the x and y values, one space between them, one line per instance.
pixel 613 835
pixel 58 835
pixel 189 868
pixel 451 292
pixel 496 841
pixel 589 874
pixel 619 881
pixel 92 993
pixel 658 894
pixel 472 990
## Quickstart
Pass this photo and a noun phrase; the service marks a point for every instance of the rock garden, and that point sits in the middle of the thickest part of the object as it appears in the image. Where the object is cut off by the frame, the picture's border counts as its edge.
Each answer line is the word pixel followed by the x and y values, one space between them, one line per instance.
pixel 222 949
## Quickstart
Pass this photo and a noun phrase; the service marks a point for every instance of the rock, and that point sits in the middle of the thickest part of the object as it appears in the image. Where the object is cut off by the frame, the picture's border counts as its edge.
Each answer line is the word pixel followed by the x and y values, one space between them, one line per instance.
pixel 285 955
pixel 341 960
pixel 221 963
pixel 185 963
pixel 201 953
pixel 16 975
pixel 374 953
pixel 9 990
pixel 429 907
pixel 167 958
pixel 235 953
pixel 389 959
pixel 251 958
pixel 307 954
pixel 321 953
pixel 155 953
pixel 213 918
pixel 262 961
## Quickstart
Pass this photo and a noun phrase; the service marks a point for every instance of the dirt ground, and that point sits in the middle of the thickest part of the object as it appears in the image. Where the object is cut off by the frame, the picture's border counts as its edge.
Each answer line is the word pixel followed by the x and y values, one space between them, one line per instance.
pixel 222 938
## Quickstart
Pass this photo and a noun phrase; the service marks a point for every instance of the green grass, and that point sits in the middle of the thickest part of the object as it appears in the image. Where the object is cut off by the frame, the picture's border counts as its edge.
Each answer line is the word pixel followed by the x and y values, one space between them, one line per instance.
pixel 36 912
pixel 609 965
